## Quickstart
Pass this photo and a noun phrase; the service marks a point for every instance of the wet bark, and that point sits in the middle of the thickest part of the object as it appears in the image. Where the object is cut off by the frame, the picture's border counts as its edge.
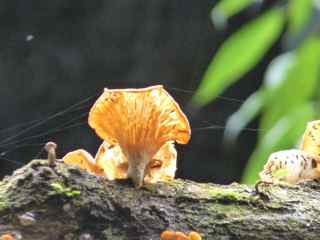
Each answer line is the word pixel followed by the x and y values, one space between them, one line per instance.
pixel 63 202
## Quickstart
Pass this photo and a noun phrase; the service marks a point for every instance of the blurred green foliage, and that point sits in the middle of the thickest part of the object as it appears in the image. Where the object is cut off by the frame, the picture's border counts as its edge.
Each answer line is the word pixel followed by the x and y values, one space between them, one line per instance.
pixel 289 95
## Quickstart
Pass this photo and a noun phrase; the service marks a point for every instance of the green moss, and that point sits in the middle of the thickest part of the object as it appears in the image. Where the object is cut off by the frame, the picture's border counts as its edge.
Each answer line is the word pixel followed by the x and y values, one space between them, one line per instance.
pixel 274 205
pixel 114 234
pixel 241 196
pixel 177 184
pixel 232 211
pixel 37 162
pixel 3 205
pixel 61 189
pixel 291 222
pixel 3 196
pixel 172 186
pixel 166 188
pixel 77 203
pixel 230 195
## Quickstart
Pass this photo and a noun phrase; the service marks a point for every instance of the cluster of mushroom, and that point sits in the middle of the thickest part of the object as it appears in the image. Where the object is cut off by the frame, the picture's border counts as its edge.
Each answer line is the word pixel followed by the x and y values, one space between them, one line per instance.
pixel 171 235
pixel 7 237
pixel 138 128
pixel 296 165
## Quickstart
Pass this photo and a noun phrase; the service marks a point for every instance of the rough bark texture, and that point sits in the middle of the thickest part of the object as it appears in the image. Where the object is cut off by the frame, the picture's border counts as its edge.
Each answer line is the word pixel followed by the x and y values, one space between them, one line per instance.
pixel 39 202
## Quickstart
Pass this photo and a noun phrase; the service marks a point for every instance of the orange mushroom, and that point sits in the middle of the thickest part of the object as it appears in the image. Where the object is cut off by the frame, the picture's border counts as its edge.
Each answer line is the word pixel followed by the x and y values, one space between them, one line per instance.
pixel 163 165
pixel 171 235
pixel 6 237
pixel 168 235
pixel 115 164
pixel 84 160
pixel 311 138
pixel 194 236
pixel 311 142
pixel 111 159
pixel 144 123
pixel 181 236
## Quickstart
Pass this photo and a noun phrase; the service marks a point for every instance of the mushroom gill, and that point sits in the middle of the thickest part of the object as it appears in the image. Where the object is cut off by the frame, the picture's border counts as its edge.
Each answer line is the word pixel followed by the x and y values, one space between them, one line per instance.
pixel 163 165
pixel 111 159
pixel 140 122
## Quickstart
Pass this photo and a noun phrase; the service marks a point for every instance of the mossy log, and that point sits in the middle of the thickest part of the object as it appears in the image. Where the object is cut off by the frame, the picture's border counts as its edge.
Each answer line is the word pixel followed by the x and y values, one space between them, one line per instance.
pixel 63 202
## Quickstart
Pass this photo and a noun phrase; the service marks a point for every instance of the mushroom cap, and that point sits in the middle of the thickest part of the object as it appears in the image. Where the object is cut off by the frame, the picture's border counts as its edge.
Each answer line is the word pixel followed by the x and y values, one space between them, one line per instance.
pixel 84 160
pixel 168 235
pixel 181 236
pixel 6 237
pixel 311 138
pixel 50 145
pixel 194 236
pixel 139 119
pixel 113 162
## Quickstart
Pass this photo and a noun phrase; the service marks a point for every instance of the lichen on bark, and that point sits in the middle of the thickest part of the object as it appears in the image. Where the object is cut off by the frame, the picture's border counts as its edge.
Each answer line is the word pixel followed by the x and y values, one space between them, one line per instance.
pixel 63 202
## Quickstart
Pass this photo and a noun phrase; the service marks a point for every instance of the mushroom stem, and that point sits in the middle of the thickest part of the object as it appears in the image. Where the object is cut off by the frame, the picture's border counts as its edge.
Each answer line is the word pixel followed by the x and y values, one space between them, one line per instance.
pixel 137 170
pixel 50 147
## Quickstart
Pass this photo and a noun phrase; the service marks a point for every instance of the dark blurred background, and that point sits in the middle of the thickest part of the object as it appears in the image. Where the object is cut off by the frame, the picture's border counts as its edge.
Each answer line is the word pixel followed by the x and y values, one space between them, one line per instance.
pixel 56 53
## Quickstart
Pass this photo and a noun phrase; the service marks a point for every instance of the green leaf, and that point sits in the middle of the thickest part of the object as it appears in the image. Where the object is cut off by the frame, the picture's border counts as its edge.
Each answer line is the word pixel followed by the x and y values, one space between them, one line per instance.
pixel 299 84
pixel 284 134
pixel 241 118
pixel 226 9
pixel 300 12
pixel 241 52
pixel 276 73
pixel 288 107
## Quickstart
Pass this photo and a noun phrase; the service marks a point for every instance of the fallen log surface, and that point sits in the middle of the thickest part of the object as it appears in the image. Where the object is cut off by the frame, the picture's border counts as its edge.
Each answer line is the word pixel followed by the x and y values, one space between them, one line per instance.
pixel 63 202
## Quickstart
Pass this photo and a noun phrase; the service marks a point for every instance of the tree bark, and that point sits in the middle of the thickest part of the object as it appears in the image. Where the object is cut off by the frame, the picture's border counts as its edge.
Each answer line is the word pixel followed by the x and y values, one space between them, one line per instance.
pixel 63 202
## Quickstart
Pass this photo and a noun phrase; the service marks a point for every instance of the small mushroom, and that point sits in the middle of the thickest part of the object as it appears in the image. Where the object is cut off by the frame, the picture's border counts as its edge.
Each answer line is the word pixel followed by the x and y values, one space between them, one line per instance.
pixel 311 138
pixel 171 235
pixel 168 235
pixel 194 236
pixel 140 122
pixel 291 166
pixel 181 236
pixel 50 147
pixel 84 160
pixel 7 237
